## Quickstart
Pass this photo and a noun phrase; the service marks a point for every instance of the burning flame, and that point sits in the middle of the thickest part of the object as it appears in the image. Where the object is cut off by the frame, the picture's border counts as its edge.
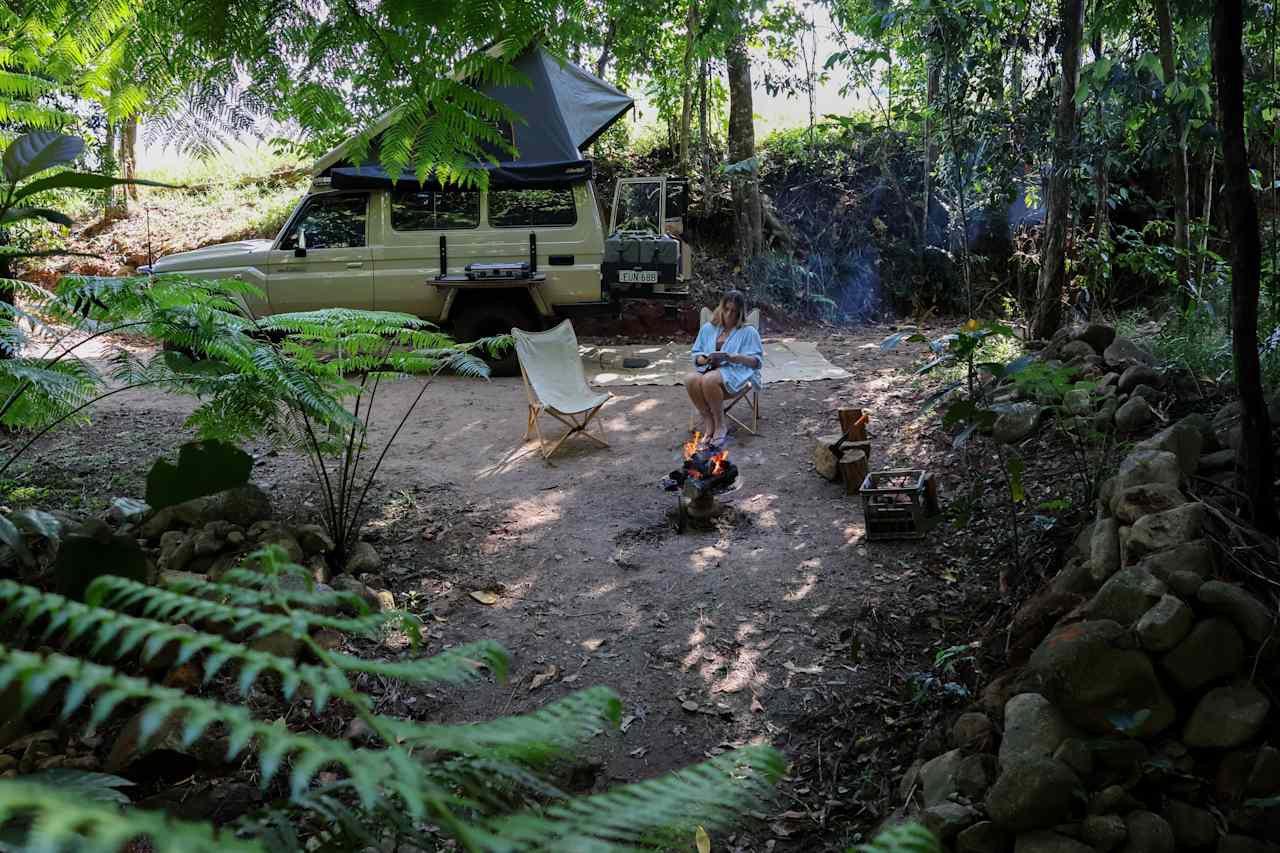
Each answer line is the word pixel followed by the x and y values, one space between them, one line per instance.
pixel 717 462
pixel 691 447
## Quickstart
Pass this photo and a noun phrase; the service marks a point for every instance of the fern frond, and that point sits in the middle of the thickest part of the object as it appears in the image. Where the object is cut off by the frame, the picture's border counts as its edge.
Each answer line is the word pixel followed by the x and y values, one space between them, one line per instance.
pixel 58 821
pixel 370 772
pixel 712 794
pixel 123 594
pixel 530 738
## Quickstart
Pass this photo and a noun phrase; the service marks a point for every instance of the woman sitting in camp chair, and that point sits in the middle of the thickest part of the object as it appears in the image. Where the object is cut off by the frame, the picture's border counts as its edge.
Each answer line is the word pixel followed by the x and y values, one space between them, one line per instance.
pixel 727 357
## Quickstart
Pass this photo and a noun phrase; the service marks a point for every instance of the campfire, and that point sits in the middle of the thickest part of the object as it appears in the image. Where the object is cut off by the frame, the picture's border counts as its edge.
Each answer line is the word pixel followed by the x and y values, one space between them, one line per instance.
pixel 704 470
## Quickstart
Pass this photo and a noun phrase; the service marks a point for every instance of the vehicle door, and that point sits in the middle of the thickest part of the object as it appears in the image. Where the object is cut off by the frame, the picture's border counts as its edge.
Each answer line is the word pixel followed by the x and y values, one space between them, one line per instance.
pixel 322 259
pixel 414 222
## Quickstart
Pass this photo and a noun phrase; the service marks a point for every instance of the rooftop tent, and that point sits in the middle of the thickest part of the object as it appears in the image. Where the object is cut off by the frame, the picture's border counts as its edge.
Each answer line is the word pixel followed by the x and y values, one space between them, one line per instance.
pixel 561 111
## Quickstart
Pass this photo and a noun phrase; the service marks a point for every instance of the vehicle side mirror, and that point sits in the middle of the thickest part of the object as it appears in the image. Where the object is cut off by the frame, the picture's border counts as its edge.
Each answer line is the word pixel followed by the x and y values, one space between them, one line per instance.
pixel 300 251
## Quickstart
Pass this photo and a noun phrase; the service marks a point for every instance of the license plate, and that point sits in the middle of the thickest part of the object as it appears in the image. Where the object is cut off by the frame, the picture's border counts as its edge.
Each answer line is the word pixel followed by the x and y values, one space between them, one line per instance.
pixel 638 276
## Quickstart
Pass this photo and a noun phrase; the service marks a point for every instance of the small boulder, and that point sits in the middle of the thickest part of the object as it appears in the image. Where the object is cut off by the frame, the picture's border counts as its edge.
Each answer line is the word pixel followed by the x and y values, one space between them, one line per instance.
pixel 1245 844
pixel 1104 549
pixel 1076 754
pixel 1226 717
pixel 1162 530
pixel 1192 827
pixel 1247 613
pixel 1146 392
pixel 1035 793
pixel 177 549
pixel 1136 501
pixel 1219 460
pixel 983 837
pixel 1104 832
pixel 1264 779
pixel 1033 728
pixel 972 732
pixel 1211 652
pixel 1016 423
pixel 1194 556
pixel 1185 583
pixel 1078 401
pixel 1148 833
pixel 1104 420
pixel 1124 353
pixel 127 511
pixel 947 820
pixel 1165 624
pixel 1134 415
pixel 363 558
pixel 1183 440
pixel 1098 335
pixel 1113 799
pixel 1148 466
pixel 1090 671
pixel 313 538
pixel 1049 842
pixel 1138 374
pixel 938 777
pixel 1126 596
pixel 1077 351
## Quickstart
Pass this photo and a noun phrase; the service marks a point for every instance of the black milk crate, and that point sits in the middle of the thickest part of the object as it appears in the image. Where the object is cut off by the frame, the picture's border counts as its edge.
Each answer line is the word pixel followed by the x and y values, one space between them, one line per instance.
pixel 897 504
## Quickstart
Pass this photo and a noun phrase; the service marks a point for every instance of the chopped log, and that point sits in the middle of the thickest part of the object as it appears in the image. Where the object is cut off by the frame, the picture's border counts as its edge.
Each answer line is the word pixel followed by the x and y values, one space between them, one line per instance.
pixel 826 455
pixel 829 451
pixel 853 423
pixel 853 469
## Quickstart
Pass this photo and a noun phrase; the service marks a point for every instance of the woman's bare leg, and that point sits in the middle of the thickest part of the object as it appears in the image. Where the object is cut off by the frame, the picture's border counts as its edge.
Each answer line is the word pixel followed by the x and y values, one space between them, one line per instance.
pixel 693 384
pixel 713 393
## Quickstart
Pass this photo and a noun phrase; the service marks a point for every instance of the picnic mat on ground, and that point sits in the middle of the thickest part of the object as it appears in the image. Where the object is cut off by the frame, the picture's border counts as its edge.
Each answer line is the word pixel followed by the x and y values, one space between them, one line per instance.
pixel 785 360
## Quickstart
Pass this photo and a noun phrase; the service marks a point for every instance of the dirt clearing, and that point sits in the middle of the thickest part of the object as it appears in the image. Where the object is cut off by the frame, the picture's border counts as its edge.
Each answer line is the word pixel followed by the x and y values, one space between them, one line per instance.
pixel 747 631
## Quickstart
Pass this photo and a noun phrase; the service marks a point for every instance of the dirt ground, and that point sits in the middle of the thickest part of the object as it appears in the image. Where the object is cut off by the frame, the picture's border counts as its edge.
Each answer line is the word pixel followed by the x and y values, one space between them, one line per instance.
pixel 752 631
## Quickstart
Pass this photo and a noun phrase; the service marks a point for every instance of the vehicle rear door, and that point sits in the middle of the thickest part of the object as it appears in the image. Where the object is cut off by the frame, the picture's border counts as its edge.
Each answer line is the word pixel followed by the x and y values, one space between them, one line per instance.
pixel 335 269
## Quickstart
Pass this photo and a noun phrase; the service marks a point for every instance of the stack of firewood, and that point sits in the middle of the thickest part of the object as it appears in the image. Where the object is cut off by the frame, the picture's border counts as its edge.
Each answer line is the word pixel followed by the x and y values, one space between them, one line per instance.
pixel 845 455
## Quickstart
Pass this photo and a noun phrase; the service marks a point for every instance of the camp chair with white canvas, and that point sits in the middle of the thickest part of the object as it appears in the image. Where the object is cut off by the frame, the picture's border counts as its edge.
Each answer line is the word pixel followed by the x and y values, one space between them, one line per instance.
pixel 556 385
pixel 749 392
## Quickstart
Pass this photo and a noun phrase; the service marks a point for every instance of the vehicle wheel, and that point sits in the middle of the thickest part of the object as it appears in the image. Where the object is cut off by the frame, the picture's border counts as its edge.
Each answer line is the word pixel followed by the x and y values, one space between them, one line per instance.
pixel 477 321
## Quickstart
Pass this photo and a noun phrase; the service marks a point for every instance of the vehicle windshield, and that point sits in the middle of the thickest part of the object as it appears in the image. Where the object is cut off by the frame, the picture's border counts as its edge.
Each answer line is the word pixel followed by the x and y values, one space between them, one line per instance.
pixel 638 207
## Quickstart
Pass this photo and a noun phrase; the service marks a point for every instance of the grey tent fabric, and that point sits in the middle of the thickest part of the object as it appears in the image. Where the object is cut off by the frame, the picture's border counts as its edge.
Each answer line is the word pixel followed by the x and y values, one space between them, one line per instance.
pixel 561 110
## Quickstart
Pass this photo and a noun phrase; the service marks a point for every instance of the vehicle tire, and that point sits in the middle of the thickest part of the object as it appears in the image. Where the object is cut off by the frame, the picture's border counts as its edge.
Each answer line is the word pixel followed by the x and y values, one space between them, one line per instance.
pixel 477 320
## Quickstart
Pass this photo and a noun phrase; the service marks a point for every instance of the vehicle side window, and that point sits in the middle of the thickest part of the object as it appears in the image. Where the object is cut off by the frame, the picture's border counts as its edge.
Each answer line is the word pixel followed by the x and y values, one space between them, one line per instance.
pixel 532 208
pixel 331 222
pixel 435 210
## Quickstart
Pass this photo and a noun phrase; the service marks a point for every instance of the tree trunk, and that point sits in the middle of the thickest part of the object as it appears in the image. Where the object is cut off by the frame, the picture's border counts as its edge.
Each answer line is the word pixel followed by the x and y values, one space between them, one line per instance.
pixel 930 149
pixel 1254 460
pixel 114 202
pixel 129 155
pixel 704 131
pixel 606 49
pixel 1053 272
pixel 686 87
pixel 748 210
pixel 1178 161
pixel 1101 220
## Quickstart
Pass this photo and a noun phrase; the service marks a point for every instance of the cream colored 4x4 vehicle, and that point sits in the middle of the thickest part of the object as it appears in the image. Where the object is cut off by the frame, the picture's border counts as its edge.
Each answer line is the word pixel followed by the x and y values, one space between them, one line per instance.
pixel 529 249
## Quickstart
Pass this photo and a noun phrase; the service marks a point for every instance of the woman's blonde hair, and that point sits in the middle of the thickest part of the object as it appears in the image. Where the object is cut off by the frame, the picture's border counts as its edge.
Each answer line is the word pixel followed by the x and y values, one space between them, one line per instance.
pixel 738 300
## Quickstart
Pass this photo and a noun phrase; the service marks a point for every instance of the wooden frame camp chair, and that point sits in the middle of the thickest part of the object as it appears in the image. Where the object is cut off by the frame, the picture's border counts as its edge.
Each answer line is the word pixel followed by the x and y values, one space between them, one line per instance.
pixel 749 392
pixel 557 386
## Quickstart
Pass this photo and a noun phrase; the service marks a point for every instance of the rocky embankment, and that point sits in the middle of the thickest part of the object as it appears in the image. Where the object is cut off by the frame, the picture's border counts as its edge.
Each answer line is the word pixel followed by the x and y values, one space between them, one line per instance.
pixel 1141 715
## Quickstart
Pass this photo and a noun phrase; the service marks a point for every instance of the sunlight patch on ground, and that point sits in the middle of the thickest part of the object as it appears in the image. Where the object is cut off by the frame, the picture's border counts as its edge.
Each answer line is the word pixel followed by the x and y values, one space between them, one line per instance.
pixel 805 584
pixel 708 557
pixel 535 512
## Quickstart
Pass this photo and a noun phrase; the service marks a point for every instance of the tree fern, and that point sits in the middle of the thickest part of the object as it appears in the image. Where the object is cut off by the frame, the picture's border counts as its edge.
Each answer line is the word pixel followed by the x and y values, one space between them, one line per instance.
pixel 480 783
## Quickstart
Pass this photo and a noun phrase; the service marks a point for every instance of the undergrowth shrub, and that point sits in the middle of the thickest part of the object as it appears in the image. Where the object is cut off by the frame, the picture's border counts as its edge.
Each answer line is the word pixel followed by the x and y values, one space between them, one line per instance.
pixel 832 287
pixel 484 785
